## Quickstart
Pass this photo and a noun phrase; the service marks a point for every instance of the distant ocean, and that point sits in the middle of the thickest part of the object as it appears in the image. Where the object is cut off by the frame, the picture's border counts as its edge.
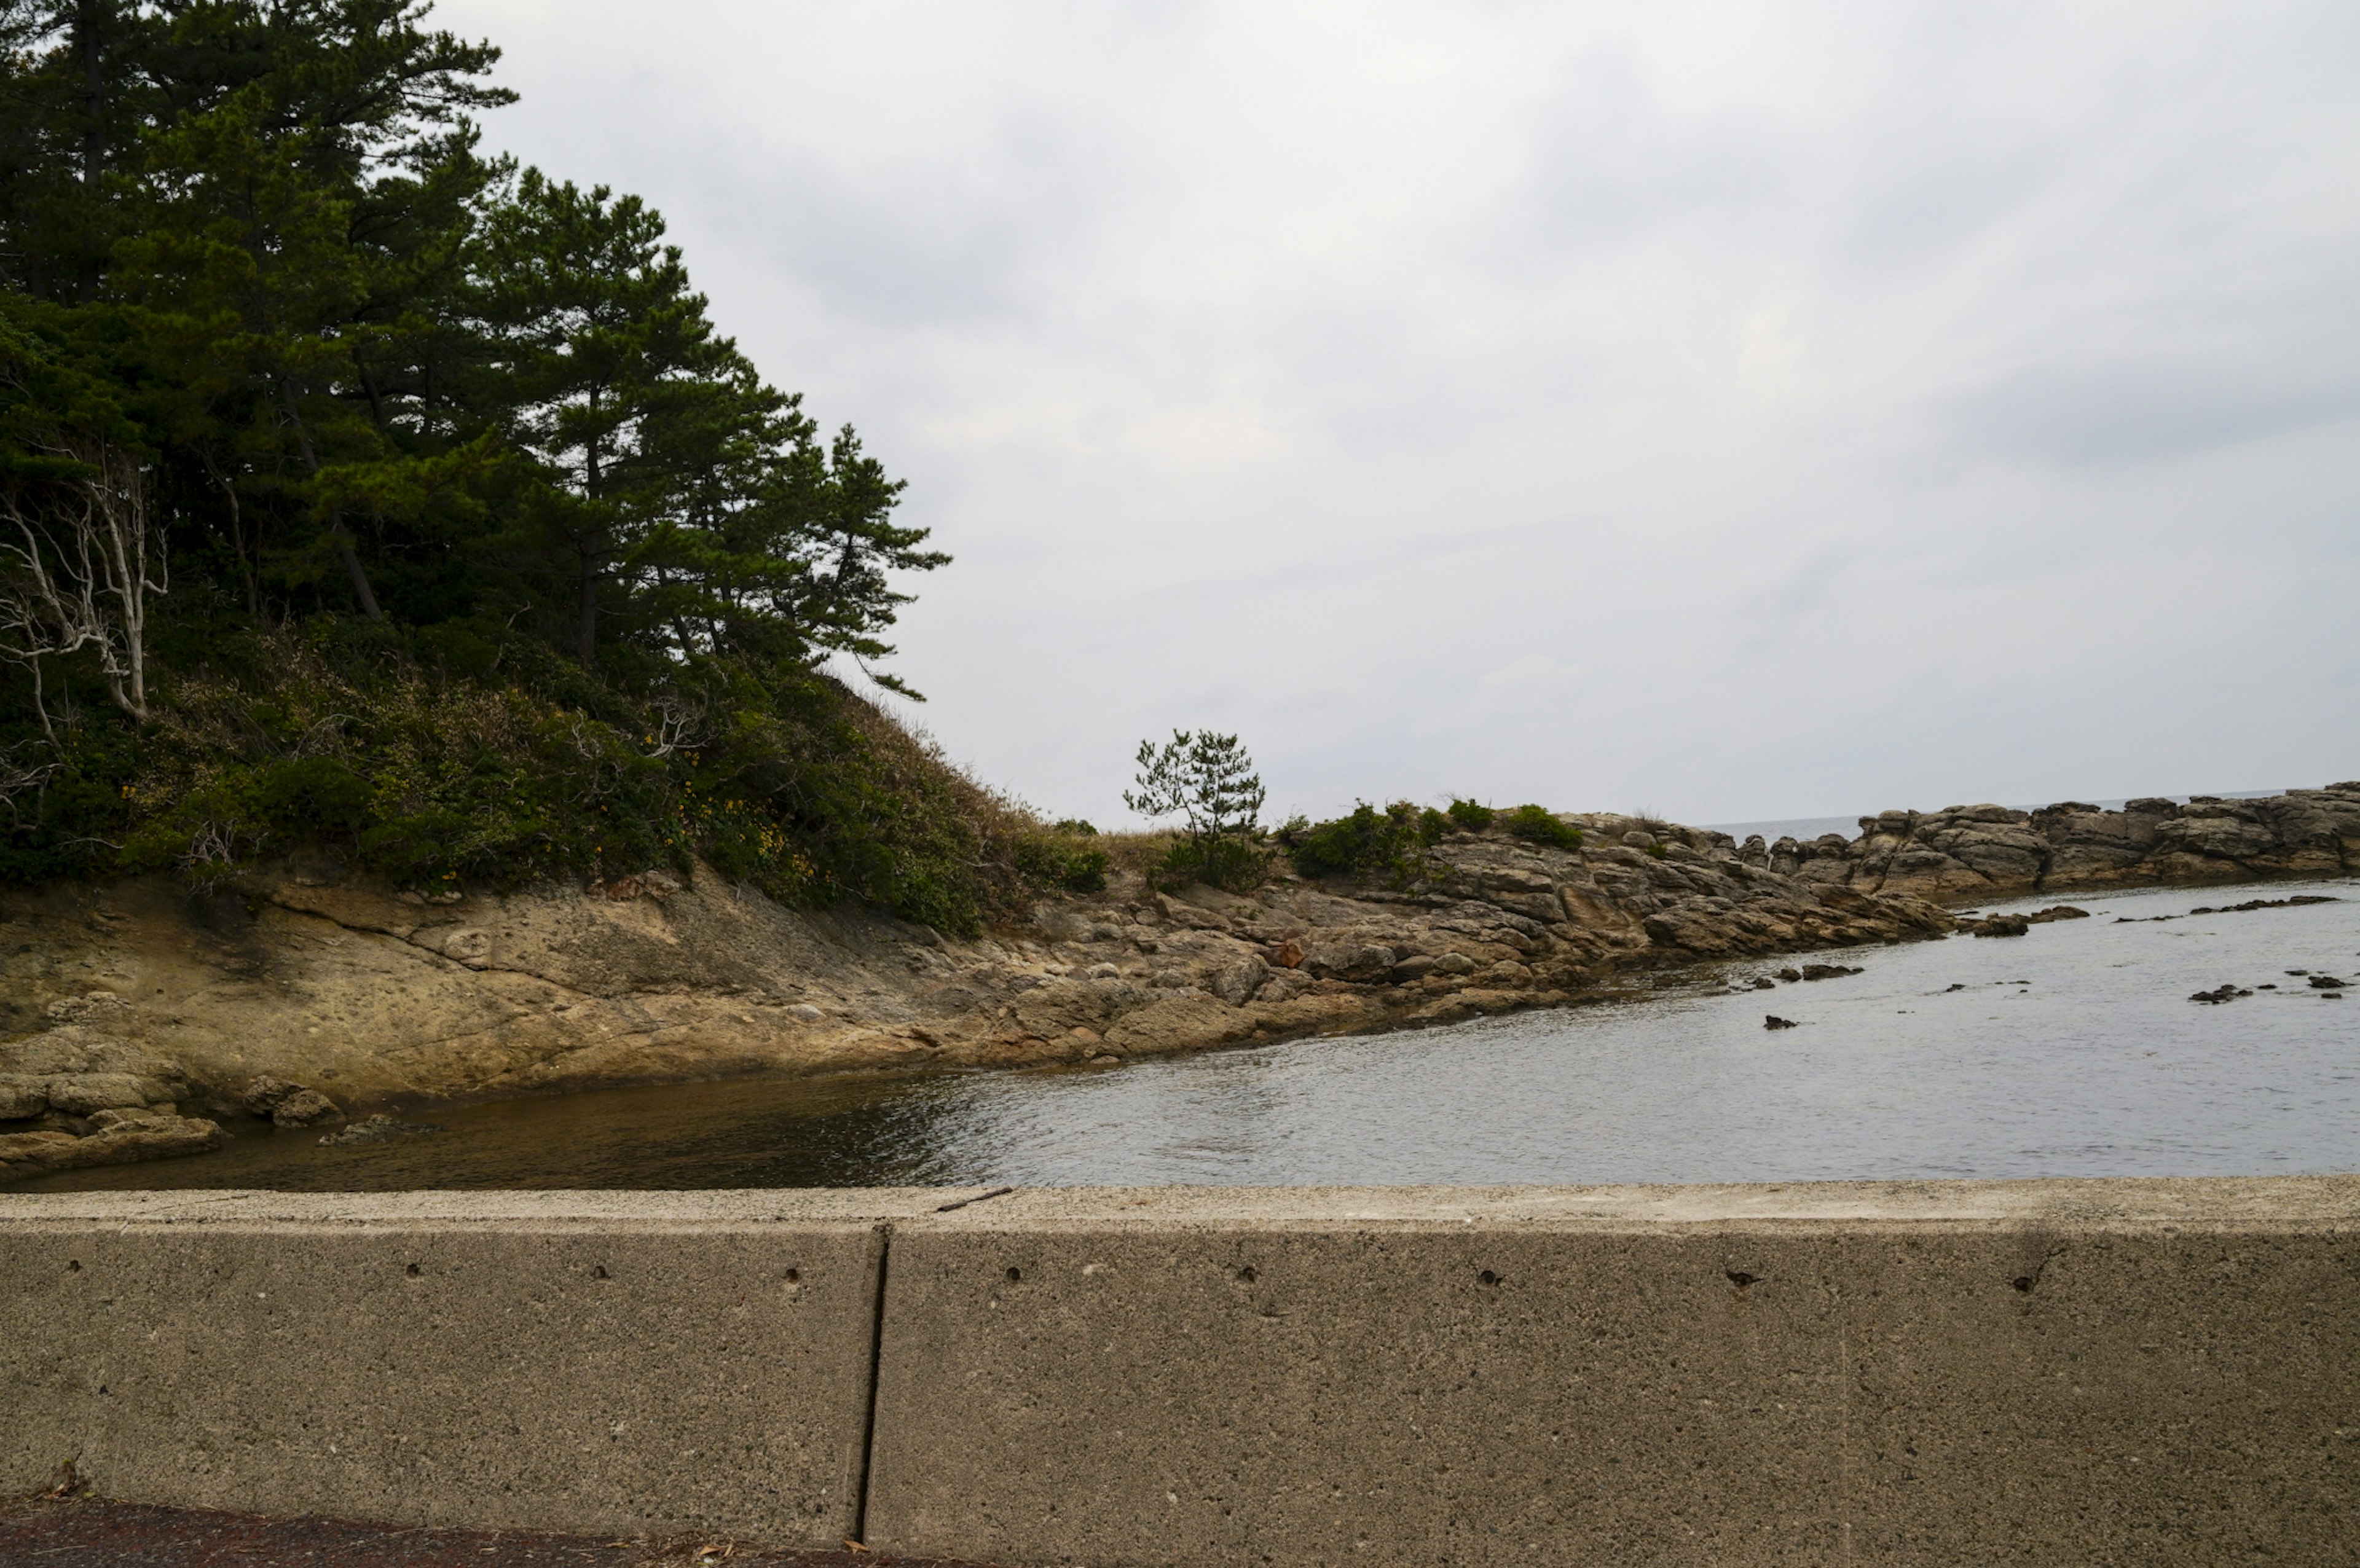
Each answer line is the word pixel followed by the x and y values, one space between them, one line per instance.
pixel 1813 827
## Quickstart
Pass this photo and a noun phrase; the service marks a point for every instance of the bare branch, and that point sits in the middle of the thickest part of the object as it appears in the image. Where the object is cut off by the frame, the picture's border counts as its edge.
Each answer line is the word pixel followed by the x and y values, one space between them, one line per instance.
pixel 78 572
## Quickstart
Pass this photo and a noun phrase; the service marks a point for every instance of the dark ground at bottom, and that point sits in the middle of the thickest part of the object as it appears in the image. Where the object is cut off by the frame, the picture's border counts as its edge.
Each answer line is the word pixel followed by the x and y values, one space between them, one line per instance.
pixel 93 1532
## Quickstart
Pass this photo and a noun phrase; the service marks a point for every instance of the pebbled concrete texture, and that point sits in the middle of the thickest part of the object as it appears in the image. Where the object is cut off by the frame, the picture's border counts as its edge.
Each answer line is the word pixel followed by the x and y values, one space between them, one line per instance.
pixel 628 1363
pixel 2053 1371
pixel 2150 1372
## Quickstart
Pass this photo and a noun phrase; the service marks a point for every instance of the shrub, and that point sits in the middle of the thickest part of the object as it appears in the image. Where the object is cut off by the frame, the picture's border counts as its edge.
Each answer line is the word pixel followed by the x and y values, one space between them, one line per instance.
pixel 1470 816
pixel 1059 856
pixel 1389 843
pixel 1540 825
pixel 1230 862
pixel 326 735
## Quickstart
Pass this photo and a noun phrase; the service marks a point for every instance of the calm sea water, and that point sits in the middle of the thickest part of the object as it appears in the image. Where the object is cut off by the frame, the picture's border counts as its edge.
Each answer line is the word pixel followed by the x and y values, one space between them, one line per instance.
pixel 2070 1051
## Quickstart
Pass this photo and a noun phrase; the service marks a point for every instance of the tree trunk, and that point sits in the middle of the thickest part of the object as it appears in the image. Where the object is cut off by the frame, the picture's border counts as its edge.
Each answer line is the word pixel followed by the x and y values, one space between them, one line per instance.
pixel 336 530
pixel 361 589
pixel 93 136
pixel 586 644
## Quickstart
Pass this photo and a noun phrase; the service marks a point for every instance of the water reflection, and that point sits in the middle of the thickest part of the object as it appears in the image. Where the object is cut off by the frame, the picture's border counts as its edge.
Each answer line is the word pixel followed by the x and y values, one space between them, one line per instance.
pixel 2072 1051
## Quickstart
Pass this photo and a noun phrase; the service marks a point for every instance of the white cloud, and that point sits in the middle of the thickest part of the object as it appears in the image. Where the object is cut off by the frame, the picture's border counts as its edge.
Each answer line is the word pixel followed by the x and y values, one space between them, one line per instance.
pixel 1745 410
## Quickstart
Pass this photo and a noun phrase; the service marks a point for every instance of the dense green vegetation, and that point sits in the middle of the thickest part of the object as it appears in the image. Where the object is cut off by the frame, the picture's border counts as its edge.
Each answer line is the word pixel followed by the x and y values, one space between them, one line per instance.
pixel 359 489
pixel 1540 825
pixel 1388 845
pixel 1391 845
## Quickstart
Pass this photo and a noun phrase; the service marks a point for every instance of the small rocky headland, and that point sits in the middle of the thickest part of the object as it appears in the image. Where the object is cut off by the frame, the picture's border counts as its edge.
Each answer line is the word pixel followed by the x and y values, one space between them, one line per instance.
pixel 143 1019
pixel 377 733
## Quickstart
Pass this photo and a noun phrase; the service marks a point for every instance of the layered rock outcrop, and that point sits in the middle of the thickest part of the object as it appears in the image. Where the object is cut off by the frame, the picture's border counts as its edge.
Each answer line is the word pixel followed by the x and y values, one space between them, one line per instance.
pixel 308 995
pixel 135 1021
pixel 1962 854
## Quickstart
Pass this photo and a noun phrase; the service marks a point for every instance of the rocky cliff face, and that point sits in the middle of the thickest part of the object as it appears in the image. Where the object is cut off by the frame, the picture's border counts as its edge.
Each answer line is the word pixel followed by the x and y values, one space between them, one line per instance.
pixel 135 1020
pixel 1961 853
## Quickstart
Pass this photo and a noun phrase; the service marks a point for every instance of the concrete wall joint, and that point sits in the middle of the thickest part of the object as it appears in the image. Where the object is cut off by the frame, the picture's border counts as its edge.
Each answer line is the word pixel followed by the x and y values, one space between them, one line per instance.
pixel 2067 1371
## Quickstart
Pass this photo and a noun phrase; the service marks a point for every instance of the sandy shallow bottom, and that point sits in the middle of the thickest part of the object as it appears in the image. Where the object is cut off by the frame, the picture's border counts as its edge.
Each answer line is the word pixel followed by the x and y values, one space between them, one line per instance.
pixel 2070 1051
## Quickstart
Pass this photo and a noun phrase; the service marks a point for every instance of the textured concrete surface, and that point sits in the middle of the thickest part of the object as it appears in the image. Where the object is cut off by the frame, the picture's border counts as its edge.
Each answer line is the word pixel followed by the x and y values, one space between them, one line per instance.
pixel 2150 1372
pixel 93 1532
pixel 2052 1372
pixel 627 1362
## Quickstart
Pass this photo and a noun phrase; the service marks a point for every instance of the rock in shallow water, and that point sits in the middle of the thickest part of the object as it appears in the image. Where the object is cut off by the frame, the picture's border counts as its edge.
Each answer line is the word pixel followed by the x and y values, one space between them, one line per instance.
pixel 375 1129
pixel 127 1136
pixel 305 1107
pixel 286 1103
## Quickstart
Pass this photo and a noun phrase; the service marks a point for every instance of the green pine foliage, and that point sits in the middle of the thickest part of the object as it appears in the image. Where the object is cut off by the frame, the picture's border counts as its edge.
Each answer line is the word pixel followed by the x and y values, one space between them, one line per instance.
pixel 359 490
pixel 1207 781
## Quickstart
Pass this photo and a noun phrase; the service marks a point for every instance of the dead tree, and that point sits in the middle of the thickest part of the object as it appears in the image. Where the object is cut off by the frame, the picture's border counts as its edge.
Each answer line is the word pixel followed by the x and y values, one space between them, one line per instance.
pixel 80 560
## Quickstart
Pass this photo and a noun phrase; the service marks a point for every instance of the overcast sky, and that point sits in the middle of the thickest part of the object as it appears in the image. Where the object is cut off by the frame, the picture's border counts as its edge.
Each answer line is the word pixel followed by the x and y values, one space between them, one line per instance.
pixel 1733 409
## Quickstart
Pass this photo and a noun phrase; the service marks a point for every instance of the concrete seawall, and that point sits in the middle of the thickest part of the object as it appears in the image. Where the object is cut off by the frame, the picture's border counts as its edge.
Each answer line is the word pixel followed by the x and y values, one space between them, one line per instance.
pixel 2056 1371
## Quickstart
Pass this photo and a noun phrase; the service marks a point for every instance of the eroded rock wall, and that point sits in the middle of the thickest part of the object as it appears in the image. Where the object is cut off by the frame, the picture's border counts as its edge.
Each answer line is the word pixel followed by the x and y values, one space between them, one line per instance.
pixel 1964 854
pixel 304 998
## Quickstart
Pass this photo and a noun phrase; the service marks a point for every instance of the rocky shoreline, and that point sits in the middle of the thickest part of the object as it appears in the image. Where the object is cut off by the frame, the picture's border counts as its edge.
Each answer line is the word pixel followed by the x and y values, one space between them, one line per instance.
pixel 141 1018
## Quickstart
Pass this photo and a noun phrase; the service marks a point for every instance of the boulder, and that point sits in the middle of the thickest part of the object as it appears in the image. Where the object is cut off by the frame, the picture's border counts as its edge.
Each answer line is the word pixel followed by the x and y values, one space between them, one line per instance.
pixel 131 1137
pixel 2223 836
pixel 79 1095
pixel 305 1107
pixel 73 1049
pixel 1349 960
pixel 262 1096
pixel 1284 985
pixel 286 1103
pixel 1237 982
pixel 1190 915
pixel 22 1096
pixel 1060 922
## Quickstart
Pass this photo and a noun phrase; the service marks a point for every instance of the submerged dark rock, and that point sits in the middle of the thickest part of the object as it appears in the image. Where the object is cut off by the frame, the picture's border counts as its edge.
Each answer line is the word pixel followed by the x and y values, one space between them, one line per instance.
pixel 375 1129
